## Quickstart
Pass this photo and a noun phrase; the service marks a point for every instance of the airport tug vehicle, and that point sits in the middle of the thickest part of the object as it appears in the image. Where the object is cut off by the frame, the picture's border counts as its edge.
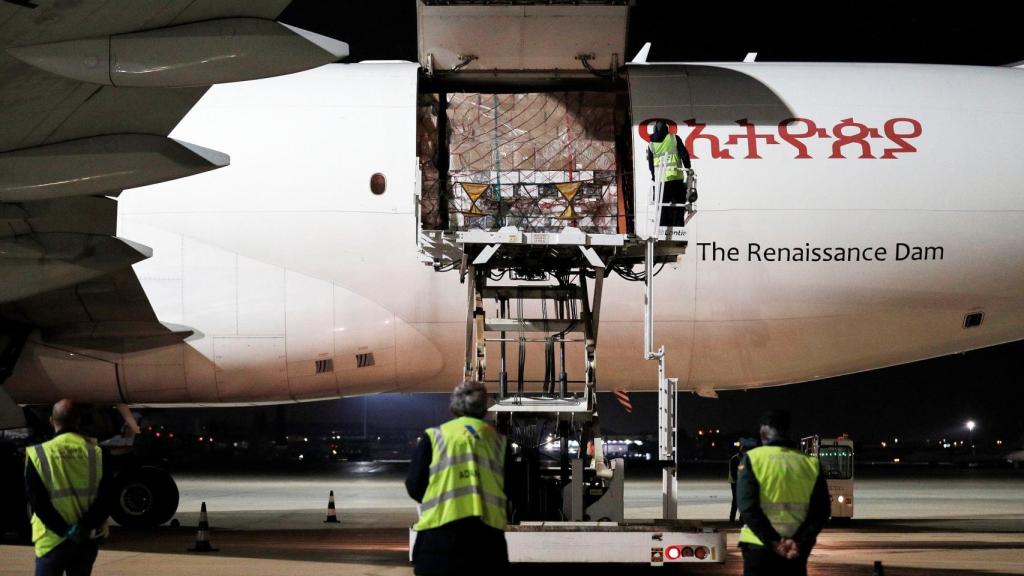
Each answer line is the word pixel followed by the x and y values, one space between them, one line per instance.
pixel 835 456
pixel 541 292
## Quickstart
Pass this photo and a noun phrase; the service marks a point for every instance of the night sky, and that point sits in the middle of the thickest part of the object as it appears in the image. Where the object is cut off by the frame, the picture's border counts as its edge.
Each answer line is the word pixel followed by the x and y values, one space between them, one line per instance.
pixel 924 400
pixel 986 34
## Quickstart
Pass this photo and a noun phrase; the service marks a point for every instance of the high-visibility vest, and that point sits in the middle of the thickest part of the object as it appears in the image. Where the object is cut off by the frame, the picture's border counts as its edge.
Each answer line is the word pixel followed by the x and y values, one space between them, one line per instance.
pixel 787 478
pixel 70 467
pixel 467 475
pixel 666 153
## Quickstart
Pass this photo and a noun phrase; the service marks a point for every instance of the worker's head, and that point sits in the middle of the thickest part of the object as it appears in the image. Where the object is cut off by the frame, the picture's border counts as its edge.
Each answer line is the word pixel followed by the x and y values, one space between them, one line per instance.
pixel 660 131
pixel 774 425
pixel 65 416
pixel 469 399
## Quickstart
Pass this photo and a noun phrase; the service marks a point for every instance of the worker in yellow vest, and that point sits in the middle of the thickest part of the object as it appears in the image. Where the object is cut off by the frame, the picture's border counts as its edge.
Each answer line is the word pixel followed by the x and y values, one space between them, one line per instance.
pixel 66 485
pixel 457 474
pixel 783 501
pixel 668 158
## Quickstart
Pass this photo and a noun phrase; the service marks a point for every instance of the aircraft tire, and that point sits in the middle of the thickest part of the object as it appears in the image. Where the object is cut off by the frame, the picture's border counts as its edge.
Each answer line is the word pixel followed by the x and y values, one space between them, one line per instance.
pixel 145 497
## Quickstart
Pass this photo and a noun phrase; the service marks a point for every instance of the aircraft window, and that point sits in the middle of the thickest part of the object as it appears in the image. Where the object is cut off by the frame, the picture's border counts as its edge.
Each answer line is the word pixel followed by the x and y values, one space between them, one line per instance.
pixel 378 184
pixel 973 319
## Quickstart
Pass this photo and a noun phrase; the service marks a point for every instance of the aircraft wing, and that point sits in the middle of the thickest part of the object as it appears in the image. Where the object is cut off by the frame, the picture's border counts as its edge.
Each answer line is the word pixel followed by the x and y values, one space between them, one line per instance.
pixel 89 92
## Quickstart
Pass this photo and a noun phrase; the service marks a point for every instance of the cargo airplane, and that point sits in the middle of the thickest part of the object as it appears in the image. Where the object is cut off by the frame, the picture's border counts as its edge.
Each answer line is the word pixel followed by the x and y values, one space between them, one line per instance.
pixel 839 228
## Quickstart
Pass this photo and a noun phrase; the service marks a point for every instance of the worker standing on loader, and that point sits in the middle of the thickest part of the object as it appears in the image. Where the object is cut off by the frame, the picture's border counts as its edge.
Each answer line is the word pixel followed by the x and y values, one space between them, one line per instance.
pixel 668 153
pixel 457 474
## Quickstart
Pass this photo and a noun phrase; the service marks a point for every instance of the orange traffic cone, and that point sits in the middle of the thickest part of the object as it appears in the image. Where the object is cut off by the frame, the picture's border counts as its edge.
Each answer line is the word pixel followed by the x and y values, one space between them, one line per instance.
pixel 203 535
pixel 332 514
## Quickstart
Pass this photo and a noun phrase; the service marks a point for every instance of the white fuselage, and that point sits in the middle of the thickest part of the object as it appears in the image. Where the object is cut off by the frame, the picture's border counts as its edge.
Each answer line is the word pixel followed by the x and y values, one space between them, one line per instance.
pixel 286 257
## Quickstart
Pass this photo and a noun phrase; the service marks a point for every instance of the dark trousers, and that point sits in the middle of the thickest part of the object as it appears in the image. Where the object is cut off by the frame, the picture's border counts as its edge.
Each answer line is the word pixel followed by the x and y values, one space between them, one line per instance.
pixel 762 561
pixel 674 193
pixel 461 547
pixel 67 558
pixel 732 508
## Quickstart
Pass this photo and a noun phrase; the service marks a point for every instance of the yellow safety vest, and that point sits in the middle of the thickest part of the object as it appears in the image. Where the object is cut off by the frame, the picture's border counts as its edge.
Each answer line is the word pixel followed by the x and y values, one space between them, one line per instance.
pixel 666 153
pixel 787 478
pixel 70 467
pixel 467 475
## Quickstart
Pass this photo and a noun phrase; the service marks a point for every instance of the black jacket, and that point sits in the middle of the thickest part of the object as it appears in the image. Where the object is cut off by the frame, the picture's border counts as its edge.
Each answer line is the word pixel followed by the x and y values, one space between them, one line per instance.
pixel 748 498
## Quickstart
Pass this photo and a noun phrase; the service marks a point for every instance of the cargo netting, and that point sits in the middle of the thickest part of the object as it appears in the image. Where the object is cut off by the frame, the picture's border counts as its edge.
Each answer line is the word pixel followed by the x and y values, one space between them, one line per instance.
pixel 539 162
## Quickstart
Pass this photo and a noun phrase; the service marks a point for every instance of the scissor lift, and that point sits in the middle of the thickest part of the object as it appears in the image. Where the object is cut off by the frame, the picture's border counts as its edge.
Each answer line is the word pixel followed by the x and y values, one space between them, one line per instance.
pixel 544 291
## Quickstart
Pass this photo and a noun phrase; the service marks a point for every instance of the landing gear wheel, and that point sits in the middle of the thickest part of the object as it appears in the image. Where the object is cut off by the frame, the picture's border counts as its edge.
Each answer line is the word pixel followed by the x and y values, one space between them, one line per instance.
pixel 144 497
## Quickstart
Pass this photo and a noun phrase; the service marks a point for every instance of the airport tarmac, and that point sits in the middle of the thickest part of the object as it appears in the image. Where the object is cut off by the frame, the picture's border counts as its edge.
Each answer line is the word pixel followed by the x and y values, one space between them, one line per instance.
pixel 924 522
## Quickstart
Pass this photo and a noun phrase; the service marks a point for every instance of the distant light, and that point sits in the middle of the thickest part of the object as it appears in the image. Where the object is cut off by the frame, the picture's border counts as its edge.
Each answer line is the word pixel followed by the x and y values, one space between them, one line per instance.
pixel 971 425
pixel 301 457
pixel 884 445
pixel 896 460
pixel 200 438
pixel 896 440
pixel 841 499
pixel 305 439
pixel 158 434
pixel 170 435
pixel 334 452
pixel 638 443
pixel 999 442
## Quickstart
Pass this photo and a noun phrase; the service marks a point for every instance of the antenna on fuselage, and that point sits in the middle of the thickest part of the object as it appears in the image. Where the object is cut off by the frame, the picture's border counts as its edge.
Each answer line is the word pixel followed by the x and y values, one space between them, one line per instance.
pixel 641 56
